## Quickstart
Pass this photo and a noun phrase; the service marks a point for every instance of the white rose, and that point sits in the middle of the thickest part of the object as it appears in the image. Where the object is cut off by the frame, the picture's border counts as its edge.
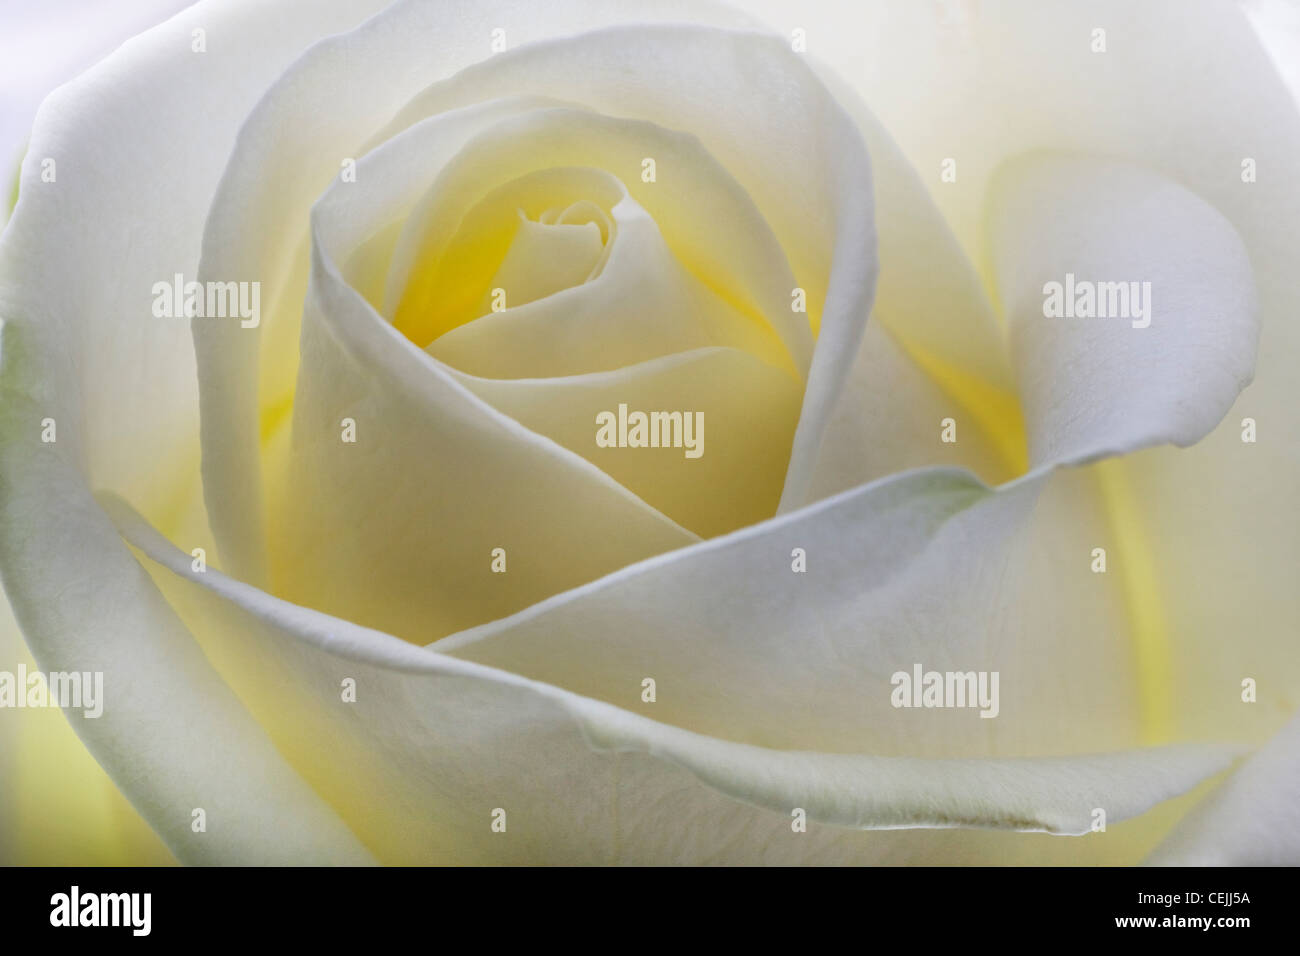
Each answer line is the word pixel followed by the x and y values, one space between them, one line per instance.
pixel 429 603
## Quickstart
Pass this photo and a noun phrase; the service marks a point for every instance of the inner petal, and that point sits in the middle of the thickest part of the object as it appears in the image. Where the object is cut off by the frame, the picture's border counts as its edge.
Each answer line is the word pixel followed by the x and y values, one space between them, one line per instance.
pixel 543 259
pixel 639 303
pixel 511 239
pixel 743 265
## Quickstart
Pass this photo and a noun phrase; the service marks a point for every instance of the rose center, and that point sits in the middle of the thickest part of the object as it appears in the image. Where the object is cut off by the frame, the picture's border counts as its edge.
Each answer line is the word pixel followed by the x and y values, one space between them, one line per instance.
pixel 535 236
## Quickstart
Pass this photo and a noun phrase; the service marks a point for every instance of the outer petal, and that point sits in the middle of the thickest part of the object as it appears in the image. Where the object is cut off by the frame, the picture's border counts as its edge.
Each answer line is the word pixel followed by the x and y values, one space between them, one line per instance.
pixel 442 742
pixel 171 734
pixel 70 339
pixel 935 74
pixel 1218 523
pixel 1220 520
pixel 1252 819
pixel 67 811
pixel 38 57
pixel 941 76
pixel 1178 344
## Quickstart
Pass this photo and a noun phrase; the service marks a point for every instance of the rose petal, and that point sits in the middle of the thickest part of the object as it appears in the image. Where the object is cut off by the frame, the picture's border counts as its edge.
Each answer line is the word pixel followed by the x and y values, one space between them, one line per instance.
pixel 40 55
pixel 429 523
pixel 584 781
pixel 545 258
pixel 1252 819
pixel 68 576
pixel 736 281
pixel 944 354
pixel 77 344
pixel 330 483
pixel 737 413
pixel 934 78
pixel 1124 376
pixel 965 580
pixel 892 417
pixel 642 304
pixel 67 811
pixel 319 113
pixel 1163 81
pixel 783 136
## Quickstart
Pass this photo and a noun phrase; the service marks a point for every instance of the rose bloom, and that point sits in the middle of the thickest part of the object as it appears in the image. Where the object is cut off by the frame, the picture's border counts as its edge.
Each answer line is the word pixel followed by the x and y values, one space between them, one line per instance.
pixel 372 563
